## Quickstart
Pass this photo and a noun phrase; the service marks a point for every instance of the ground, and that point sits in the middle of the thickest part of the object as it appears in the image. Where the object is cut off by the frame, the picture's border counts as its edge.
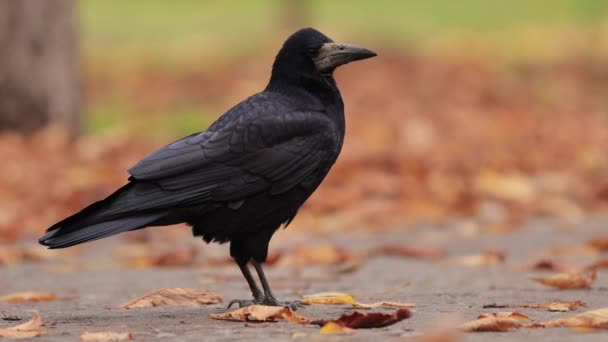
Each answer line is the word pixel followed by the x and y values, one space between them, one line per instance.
pixel 445 294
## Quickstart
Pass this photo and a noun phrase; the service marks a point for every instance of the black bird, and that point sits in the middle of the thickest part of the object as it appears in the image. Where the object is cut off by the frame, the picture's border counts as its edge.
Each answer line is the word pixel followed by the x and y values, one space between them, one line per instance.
pixel 247 174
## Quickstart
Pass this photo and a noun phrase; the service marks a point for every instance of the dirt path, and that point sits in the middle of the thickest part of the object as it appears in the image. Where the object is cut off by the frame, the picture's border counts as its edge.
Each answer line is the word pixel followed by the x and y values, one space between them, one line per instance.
pixel 444 293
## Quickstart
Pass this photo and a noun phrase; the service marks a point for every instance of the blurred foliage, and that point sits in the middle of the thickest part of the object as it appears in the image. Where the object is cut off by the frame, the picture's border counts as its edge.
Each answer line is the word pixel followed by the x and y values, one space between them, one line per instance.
pixel 491 111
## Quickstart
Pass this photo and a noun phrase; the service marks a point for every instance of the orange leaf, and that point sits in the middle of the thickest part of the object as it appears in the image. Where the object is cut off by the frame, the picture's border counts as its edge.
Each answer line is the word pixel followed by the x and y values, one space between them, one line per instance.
pixel 595 319
pixel 506 314
pixel 24 330
pixel 384 305
pixel 28 296
pixel 175 297
pixel 568 280
pixel 261 313
pixel 491 323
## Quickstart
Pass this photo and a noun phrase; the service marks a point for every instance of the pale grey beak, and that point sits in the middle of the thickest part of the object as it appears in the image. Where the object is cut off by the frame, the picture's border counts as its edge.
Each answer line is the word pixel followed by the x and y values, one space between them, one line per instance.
pixel 332 55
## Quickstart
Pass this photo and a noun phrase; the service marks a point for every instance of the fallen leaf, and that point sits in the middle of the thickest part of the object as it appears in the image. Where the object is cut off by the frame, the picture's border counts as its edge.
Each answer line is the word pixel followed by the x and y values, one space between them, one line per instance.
pixel 175 296
pixel 595 319
pixel 24 330
pixel 28 296
pixel 597 264
pixel 599 242
pixel 576 250
pixel 261 313
pixel 383 304
pixel 558 306
pixel 358 320
pixel 334 328
pixel 105 336
pixel 518 316
pixel 180 257
pixel 328 298
pixel 568 280
pixel 491 323
pixel 489 257
pixel 552 265
pixel 409 251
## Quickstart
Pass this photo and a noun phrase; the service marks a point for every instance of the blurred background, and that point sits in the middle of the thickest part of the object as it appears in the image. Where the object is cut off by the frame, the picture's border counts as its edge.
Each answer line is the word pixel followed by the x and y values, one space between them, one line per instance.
pixel 477 115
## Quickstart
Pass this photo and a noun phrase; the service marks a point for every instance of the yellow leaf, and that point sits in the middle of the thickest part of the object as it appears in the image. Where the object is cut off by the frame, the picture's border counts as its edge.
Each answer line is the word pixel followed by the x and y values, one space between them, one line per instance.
pixel 329 298
pixel 175 297
pixel 28 296
pixel 383 304
pixel 335 328
pixel 105 336
pixel 24 330
pixel 568 280
pixel 261 313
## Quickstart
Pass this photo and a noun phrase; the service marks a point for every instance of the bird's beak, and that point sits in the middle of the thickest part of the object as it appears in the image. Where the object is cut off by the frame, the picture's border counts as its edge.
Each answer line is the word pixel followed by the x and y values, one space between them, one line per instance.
pixel 332 55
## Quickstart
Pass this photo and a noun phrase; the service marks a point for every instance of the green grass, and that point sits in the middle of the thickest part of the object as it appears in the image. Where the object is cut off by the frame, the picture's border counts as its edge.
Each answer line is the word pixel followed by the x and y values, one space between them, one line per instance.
pixel 122 36
pixel 161 30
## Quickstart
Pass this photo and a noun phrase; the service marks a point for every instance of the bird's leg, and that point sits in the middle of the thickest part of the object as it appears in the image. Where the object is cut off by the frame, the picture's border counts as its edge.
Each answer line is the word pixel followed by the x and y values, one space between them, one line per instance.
pixel 269 298
pixel 258 296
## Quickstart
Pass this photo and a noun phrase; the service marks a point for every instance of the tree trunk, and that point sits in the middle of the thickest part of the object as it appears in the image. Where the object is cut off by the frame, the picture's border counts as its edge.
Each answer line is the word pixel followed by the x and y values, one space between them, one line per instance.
pixel 39 65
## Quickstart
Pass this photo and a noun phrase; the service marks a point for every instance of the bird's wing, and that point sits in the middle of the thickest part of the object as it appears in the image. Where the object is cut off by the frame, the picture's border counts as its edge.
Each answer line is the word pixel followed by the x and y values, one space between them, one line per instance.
pixel 251 154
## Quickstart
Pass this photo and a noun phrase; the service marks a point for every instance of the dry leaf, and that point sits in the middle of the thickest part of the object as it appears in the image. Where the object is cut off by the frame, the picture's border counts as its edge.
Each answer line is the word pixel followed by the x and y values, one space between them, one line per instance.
pixel 261 313
pixel 597 264
pixel 335 328
pixel 24 330
pixel 489 257
pixel 491 323
pixel 518 316
pixel 383 304
pixel 328 298
pixel 577 250
pixel 175 297
pixel 28 296
pixel 409 251
pixel 595 319
pixel 358 320
pixel 106 336
pixel 558 306
pixel 599 242
pixel 568 280
pixel 552 265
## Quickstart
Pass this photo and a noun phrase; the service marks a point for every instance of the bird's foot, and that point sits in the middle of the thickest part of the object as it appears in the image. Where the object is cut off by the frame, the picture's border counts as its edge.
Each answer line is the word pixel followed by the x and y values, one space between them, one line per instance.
pixel 244 302
pixel 293 305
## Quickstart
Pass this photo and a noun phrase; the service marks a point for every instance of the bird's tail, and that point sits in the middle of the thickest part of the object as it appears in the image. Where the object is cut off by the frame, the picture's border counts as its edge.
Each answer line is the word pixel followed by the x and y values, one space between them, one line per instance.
pixel 98 220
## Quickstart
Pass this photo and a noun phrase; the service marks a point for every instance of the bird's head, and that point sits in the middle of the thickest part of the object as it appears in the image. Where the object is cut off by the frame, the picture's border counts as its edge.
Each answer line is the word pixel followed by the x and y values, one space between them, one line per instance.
pixel 309 51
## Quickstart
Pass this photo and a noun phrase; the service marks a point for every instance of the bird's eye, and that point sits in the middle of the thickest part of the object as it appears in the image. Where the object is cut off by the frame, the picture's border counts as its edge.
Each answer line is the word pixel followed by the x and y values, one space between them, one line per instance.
pixel 312 52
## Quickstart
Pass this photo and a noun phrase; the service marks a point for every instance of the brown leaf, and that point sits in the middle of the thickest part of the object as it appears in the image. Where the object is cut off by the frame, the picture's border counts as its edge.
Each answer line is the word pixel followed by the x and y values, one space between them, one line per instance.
pixel 320 254
pixel 331 328
pixel 106 336
pixel 595 319
pixel 599 242
pixel 24 330
pixel 597 264
pixel 558 306
pixel 358 320
pixel 328 298
pixel 29 296
pixel 409 251
pixel 383 305
pixel 261 313
pixel 552 265
pixel 491 323
pixel 175 297
pixel 568 280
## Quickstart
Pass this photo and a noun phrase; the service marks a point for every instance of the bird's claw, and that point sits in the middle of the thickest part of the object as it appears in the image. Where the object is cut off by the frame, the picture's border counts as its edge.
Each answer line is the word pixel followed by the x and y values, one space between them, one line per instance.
pixel 293 305
pixel 242 302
